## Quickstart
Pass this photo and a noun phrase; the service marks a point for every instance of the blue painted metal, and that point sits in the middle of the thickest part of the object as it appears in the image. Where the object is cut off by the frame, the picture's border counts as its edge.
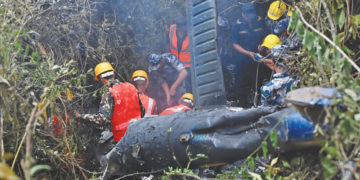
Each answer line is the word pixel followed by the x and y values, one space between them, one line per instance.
pixel 311 96
pixel 299 128
pixel 293 130
pixel 312 101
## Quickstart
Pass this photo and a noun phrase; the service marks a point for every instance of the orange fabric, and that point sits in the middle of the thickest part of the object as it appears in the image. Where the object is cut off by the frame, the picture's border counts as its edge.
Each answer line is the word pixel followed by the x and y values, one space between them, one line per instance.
pixel 184 54
pixel 55 124
pixel 148 103
pixel 174 109
pixel 126 107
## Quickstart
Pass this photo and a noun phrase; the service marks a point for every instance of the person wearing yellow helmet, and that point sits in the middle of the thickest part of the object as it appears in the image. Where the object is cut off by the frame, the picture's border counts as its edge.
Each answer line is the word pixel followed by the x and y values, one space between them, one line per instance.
pixel 278 20
pixel 141 81
pixel 112 109
pixel 271 41
pixel 274 91
pixel 276 10
pixel 186 102
pixel 278 17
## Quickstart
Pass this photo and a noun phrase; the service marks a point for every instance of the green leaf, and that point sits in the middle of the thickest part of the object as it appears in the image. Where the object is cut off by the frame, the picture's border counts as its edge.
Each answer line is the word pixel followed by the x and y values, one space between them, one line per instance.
pixel 333 151
pixel 90 70
pixel 300 30
pixel 198 156
pixel 235 174
pixel 309 39
pixel 349 51
pixel 356 20
pixel 274 161
pixel 286 164
pixel 251 163
pixel 255 176
pixel 341 37
pixel 293 21
pixel 15 32
pixel 339 4
pixel 341 19
pixel 244 173
pixel 353 32
pixel 18 47
pixel 264 148
pixel 274 139
pixel 37 168
pixel 351 93
pixel 312 52
pixel 329 167
pixel 345 127
pixel 35 56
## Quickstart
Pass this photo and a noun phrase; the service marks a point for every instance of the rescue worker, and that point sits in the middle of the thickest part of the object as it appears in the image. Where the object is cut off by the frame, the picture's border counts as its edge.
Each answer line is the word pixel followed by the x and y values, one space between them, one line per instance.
pixel 270 43
pixel 274 91
pixel 166 74
pixel 118 105
pixel 278 19
pixel 141 81
pixel 247 33
pixel 278 48
pixel 186 102
pixel 276 15
pixel 179 45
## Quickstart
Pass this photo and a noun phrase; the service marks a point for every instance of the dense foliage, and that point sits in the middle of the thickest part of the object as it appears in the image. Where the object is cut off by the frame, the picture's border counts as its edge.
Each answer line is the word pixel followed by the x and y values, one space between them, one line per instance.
pixel 329 30
pixel 47 52
pixel 331 43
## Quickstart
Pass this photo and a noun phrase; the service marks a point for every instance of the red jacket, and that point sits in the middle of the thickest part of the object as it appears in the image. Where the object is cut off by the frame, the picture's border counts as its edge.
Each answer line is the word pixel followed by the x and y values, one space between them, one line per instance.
pixel 126 107
pixel 148 103
pixel 184 54
pixel 174 109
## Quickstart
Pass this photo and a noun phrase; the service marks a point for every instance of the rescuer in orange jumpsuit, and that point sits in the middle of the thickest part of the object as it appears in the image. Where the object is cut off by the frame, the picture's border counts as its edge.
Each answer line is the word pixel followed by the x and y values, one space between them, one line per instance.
pixel 141 81
pixel 186 102
pixel 118 105
pixel 179 45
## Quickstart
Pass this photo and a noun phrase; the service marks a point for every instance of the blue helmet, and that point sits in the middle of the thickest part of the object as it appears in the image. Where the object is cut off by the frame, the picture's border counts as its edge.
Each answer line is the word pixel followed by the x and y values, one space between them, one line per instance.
pixel 154 58
pixel 249 11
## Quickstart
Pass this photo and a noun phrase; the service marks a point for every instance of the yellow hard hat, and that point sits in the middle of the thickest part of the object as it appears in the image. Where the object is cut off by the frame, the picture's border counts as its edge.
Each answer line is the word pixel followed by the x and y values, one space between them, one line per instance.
pixel 276 10
pixel 188 96
pixel 271 40
pixel 101 68
pixel 139 73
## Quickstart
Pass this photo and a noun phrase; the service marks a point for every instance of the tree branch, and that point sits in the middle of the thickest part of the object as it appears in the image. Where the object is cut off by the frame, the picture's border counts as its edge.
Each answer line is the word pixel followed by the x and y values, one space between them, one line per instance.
pixel 332 25
pixel 138 174
pixel 328 40
pixel 67 143
pixel 28 142
pixel 2 150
